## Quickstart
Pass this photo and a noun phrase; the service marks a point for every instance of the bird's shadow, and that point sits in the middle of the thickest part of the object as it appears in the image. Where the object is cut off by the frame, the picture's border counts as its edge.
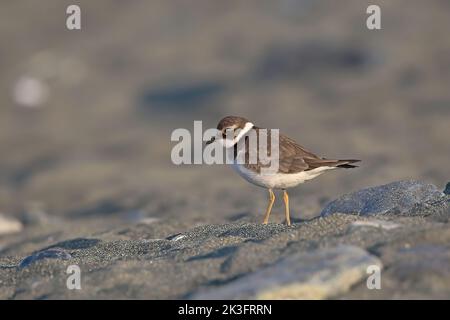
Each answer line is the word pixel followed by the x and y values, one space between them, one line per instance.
pixel 299 220
pixel 246 216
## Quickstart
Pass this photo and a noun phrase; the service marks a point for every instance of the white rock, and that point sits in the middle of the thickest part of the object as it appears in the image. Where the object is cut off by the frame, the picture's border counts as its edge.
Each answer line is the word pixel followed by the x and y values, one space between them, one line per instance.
pixel 179 237
pixel 9 225
pixel 375 224
pixel 30 92
pixel 318 274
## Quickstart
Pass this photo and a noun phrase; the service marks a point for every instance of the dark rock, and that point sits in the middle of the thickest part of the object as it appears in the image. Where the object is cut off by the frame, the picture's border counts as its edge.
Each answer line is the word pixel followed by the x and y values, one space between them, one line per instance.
pixel 397 197
pixel 74 244
pixel 181 98
pixel 447 189
pixel 437 210
pixel 55 253
pixel 292 61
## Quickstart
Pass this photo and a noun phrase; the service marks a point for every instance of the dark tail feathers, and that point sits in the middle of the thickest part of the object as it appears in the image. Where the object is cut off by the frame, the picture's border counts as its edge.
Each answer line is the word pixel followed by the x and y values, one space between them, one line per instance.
pixel 346 163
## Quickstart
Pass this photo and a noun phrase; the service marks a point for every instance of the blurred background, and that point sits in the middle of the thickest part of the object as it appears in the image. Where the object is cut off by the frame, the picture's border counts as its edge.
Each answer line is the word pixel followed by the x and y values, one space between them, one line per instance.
pixel 86 116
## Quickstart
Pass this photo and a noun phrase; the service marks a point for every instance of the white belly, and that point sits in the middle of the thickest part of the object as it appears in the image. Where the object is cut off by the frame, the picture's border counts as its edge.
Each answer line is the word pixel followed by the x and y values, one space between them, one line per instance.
pixel 279 180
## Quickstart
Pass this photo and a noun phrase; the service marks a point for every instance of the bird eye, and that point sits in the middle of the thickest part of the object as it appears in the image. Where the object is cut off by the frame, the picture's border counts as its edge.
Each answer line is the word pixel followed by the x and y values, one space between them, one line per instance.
pixel 230 132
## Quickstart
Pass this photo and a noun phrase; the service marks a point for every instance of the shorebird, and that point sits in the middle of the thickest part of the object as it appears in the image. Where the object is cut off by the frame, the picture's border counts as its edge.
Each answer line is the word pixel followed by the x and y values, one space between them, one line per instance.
pixel 295 164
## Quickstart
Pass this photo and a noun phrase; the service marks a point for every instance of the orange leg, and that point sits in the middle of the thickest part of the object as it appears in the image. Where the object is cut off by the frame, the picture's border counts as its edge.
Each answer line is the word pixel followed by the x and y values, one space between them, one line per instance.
pixel 269 206
pixel 286 204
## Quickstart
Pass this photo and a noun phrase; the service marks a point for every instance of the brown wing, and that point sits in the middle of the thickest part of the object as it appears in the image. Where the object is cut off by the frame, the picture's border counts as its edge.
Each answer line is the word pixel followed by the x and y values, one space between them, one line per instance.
pixel 293 157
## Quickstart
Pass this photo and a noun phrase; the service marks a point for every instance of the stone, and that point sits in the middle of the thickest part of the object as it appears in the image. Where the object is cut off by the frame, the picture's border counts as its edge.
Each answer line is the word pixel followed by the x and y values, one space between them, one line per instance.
pixel 52 253
pixel 9 225
pixel 380 224
pixel 447 188
pixel 317 274
pixel 30 92
pixel 398 197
